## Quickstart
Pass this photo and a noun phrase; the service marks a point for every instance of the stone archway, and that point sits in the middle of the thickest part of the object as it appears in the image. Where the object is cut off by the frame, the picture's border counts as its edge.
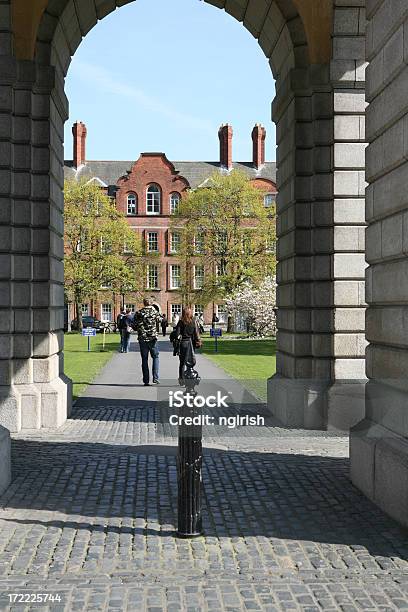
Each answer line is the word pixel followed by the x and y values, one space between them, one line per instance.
pixel 319 113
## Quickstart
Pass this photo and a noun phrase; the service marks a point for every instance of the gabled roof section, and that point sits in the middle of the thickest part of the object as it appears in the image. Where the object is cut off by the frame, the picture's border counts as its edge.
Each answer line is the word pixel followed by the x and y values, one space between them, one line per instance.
pixel 96 179
pixel 195 172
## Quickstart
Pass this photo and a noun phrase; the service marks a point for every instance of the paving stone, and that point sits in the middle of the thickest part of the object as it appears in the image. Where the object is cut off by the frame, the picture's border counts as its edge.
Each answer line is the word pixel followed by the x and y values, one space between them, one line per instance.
pixel 91 516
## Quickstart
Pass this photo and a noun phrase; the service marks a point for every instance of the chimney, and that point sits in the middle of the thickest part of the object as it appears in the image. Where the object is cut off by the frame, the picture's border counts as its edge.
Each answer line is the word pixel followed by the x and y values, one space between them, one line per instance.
pixel 258 145
pixel 225 136
pixel 79 134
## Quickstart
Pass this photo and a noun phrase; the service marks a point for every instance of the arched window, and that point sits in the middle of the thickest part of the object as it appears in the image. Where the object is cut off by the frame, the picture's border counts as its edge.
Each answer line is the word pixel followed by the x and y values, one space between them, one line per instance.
pixel 174 202
pixel 153 200
pixel 131 204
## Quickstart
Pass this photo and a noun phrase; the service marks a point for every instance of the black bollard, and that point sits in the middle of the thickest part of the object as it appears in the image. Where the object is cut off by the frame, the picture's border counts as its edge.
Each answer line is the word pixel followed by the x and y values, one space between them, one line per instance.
pixel 189 463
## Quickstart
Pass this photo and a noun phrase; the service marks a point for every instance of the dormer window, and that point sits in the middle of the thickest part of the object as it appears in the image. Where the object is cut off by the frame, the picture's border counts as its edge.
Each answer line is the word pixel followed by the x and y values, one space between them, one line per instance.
pixel 153 200
pixel 174 202
pixel 131 204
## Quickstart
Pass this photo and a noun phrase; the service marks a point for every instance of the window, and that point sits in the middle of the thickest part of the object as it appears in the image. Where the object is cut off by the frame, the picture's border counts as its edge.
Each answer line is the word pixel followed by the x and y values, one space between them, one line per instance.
pixel 131 307
pixel 106 284
pixel 153 198
pixel 175 277
pixel 131 204
pixel 174 202
pixel 106 312
pixel 84 310
pixel 246 243
pixel 270 245
pixel 152 276
pixel 152 242
pixel 222 242
pixel 222 313
pixel 174 242
pixel 198 277
pixel 269 200
pixel 221 268
pixel 175 309
pixel 199 243
pixel 198 310
pixel 106 246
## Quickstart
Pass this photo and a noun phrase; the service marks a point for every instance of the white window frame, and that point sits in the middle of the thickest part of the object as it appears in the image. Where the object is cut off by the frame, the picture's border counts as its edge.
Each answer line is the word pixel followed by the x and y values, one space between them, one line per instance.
pixel 175 198
pixel 85 310
pixel 175 309
pixel 198 310
pixel 172 240
pixel 270 245
pixel 222 313
pixel 150 269
pixel 155 250
pixel 131 196
pixel 201 244
pixel 131 307
pixel 173 277
pixel 200 284
pixel 269 199
pixel 106 309
pixel 153 199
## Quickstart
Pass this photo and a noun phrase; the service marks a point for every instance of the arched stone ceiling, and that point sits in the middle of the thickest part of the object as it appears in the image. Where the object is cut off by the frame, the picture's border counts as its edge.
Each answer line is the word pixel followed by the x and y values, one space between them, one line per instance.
pixel 316 16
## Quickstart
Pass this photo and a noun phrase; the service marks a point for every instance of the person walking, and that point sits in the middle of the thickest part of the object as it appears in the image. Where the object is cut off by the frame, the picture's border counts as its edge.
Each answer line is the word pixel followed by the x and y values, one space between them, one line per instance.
pixel 145 323
pixel 164 324
pixel 188 333
pixel 121 325
pixel 126 331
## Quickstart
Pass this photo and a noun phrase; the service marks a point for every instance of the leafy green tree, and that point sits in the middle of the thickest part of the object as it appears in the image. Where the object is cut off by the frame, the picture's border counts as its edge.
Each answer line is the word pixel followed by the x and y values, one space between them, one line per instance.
pixel 227 235
pixel 101 250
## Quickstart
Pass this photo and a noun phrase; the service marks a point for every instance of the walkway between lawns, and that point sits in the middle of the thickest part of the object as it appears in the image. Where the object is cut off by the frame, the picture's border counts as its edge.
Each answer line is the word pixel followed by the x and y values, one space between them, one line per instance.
pixel 92 510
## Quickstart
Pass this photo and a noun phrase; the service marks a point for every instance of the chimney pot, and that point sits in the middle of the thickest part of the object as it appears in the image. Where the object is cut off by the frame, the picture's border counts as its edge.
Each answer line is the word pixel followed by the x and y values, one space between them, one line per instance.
pixel 225 135
pixel 258 145
pixel 79 133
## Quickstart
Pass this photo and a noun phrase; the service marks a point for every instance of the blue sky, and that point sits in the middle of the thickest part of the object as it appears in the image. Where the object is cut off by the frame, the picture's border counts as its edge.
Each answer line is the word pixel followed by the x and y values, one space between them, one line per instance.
pixel 162 75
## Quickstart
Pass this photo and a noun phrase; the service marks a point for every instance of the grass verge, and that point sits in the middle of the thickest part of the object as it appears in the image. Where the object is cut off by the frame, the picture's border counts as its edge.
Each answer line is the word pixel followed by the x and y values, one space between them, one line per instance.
pixel 83 367
pixel 251 362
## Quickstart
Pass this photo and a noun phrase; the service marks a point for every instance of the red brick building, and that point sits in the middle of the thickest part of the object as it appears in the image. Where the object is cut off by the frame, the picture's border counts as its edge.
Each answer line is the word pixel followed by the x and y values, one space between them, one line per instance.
pixel 147 191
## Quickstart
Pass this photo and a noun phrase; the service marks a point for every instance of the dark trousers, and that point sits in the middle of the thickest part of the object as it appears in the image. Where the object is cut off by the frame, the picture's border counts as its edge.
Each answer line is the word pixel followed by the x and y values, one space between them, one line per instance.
pixel 186 356
pixel 146 347
pixel 124 340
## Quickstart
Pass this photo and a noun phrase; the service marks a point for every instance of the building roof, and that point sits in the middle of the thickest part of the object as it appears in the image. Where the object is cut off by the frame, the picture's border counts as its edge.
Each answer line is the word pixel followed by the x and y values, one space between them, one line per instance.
pixel 195 173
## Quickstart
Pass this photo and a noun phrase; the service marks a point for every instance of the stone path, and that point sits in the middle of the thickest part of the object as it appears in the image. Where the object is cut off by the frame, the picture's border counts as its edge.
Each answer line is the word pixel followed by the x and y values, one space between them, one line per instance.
pixel 90 515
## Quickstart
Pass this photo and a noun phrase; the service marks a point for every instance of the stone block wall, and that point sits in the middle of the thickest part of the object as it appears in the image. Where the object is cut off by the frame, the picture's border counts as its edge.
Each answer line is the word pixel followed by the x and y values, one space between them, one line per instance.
pixel 321 343
pixel 379 448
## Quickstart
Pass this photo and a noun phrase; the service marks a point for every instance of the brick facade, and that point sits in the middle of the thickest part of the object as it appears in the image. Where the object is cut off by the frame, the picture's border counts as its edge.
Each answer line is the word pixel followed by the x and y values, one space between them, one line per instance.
pixel 130 185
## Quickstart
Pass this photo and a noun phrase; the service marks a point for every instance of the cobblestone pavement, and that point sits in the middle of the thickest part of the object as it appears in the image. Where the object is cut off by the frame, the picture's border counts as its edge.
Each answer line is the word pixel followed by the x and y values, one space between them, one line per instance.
pixel 90 517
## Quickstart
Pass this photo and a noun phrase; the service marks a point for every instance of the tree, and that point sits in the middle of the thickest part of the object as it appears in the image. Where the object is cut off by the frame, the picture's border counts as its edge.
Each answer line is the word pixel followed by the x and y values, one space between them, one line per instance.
pixel 101 250
pixel 256 306
pixel 227 235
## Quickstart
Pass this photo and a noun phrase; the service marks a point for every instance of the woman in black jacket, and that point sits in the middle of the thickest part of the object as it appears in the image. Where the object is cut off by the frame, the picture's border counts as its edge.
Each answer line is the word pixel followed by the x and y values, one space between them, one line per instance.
pixel 189 337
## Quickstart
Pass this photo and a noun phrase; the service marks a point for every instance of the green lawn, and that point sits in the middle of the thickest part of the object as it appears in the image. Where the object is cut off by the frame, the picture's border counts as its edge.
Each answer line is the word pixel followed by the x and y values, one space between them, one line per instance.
pixel 250 361
pixel 82 367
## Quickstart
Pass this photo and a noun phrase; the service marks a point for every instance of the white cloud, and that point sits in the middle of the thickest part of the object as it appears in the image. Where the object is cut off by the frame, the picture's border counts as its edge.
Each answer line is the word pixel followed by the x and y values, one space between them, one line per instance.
pixel 106 82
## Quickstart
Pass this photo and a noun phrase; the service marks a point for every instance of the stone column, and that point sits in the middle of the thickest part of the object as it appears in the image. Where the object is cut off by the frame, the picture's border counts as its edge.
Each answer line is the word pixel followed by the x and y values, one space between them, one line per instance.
pixel 320 134
pixel 379 446
pixel 346 402
pixel 33 390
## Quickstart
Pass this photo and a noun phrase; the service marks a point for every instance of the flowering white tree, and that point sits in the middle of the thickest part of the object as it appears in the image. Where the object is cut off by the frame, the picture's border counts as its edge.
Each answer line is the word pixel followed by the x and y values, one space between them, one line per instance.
pixel 256 306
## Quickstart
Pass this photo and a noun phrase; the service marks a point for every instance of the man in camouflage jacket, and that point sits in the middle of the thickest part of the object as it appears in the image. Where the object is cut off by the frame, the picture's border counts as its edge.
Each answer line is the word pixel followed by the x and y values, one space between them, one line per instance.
pixel 145 323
